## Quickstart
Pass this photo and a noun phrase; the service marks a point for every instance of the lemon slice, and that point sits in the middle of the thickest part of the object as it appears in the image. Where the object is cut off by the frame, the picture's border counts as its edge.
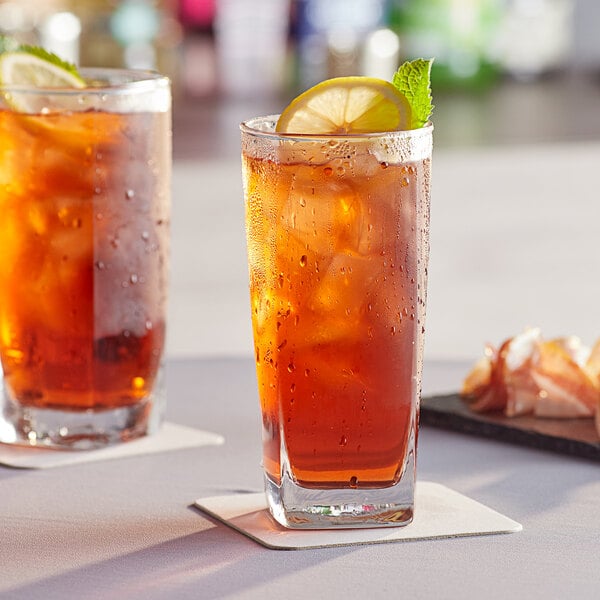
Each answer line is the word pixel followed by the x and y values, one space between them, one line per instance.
pixel 347 105
pixel 26 69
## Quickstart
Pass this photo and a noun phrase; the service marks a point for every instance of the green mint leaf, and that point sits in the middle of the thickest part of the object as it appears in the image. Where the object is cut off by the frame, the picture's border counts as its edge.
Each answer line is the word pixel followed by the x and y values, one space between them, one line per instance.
pixel 413 79
pixel 50 57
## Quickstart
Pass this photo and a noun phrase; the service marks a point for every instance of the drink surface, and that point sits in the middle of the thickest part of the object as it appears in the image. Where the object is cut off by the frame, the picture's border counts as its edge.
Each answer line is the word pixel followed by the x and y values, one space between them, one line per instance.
pixel 83 267
pixel 337 252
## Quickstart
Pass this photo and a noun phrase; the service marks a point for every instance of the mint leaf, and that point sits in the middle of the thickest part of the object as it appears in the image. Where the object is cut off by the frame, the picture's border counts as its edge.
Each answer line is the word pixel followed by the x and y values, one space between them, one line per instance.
pixel 413 79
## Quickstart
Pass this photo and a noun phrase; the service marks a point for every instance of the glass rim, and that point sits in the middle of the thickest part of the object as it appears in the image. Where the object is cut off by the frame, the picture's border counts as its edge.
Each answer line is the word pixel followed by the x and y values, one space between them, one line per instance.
pixel 249 127
pixel 108 81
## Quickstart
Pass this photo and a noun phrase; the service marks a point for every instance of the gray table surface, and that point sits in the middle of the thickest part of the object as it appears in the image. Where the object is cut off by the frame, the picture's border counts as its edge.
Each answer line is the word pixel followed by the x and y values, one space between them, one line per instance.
pixel 124 528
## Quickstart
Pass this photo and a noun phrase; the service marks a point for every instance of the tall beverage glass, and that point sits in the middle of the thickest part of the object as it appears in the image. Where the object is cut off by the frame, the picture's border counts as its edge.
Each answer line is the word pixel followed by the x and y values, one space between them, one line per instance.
pixel 84 232
pixel 338 244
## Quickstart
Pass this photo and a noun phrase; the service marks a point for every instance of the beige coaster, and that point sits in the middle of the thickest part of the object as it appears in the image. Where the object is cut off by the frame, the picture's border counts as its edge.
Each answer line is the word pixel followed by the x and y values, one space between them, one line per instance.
pixel 169 437
pixel 440 513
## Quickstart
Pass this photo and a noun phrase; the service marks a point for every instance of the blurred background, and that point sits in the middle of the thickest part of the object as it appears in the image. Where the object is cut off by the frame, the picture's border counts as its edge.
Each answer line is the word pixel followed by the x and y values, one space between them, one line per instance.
pixel 517 129
pixel 505 70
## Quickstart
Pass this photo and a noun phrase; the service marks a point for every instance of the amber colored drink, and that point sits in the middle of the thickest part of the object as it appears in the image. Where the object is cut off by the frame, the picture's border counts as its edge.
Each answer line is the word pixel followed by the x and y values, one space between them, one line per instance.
pixel 337 236
pixel 84 205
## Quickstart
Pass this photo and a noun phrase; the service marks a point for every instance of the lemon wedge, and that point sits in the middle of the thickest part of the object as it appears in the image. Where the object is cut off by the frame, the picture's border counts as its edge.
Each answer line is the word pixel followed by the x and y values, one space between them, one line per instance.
pixel 347 105
pixel 34 68
pixel 23 68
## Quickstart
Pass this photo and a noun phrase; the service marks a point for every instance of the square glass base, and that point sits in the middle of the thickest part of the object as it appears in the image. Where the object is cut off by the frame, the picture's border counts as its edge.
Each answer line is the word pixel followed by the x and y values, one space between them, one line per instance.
pixel 298 507
pixel 82 429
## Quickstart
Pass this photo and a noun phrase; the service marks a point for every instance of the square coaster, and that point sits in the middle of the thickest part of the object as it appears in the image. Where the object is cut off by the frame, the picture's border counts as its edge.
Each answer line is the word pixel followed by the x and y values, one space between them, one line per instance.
pixel 440 513
pixel 169 437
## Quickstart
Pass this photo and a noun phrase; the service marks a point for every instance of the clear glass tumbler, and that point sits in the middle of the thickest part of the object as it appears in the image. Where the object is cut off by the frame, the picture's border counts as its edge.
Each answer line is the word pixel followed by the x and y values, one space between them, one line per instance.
pixel 84 230
pixel 338 244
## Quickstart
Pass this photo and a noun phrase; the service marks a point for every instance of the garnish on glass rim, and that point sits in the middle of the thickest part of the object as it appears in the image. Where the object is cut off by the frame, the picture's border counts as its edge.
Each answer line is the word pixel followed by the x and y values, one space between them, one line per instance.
pixel 350 105
pixel 33 67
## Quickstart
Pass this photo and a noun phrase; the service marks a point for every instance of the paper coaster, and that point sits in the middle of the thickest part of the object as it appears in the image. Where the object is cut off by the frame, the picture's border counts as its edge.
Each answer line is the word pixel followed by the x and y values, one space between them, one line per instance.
pixel 440 513
pixel 169 437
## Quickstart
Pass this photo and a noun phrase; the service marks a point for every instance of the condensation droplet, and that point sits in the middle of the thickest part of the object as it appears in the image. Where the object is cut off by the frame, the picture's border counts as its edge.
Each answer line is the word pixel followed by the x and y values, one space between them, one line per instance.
pixel 354 481
pixel 343 440
pixel 291 367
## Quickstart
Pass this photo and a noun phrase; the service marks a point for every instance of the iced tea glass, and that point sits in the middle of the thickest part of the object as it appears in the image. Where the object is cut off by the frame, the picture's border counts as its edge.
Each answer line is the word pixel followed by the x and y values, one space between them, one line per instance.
pixel 84 232
pixel 338 243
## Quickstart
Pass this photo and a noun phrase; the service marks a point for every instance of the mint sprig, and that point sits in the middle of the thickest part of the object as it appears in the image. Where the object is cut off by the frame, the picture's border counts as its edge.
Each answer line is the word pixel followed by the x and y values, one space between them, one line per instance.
pixel 413 79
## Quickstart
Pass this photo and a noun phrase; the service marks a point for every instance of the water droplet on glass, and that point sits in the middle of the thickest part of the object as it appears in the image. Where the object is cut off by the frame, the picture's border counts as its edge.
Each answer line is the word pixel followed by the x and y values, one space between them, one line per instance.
pixel 303 260
pixel 328 171
pixel 354 481
pixel 343 440
pixel 291 367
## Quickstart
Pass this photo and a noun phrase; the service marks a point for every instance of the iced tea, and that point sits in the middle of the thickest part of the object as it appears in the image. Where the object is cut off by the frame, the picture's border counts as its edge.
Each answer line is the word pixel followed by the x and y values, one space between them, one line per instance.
pixel 84 204
pixel 337 232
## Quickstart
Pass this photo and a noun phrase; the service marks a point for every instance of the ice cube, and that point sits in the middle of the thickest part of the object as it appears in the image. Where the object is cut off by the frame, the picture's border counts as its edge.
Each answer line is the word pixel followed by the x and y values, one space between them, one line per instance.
pixel 323 211
pixel 344 285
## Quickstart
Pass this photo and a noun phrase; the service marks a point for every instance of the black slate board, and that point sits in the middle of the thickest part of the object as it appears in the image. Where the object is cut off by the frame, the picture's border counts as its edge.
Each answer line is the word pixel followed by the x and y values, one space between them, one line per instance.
pixel 576 437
